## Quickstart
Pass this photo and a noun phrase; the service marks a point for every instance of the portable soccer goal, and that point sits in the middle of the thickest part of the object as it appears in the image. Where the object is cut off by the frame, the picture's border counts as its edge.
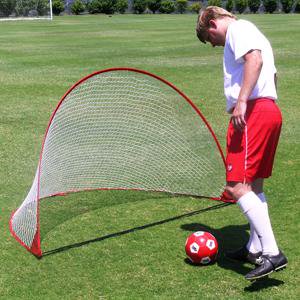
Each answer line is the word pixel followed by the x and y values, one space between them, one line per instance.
pixel 122 129
pixel 25 10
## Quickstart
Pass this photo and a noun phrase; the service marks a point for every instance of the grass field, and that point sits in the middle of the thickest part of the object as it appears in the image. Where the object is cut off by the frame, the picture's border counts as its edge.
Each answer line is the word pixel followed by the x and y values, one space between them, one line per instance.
pixel 129 245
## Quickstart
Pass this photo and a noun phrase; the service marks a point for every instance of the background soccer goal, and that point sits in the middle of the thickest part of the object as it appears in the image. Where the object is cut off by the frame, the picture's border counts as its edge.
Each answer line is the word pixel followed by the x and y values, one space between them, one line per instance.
pixel 25 9
pixel 122 129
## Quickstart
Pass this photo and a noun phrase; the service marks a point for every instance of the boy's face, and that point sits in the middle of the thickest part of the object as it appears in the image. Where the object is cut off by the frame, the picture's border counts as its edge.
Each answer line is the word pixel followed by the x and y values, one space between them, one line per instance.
pixel 215 35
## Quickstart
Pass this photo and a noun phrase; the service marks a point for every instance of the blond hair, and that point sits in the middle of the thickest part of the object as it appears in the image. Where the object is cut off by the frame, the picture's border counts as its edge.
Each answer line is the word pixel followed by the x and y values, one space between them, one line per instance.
pixel 210 13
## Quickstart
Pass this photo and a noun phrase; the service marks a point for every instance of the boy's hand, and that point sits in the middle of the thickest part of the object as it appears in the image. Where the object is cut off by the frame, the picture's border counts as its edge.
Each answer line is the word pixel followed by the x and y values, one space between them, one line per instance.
pixel 238 115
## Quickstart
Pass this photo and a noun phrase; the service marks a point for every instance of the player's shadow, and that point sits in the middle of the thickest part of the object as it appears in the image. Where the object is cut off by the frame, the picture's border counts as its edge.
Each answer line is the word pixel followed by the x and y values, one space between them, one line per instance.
pixel 262 284
pixel 229 238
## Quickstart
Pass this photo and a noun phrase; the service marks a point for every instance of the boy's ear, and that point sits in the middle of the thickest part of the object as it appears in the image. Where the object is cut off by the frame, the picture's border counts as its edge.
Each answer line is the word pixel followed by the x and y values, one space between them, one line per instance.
pixel 212 23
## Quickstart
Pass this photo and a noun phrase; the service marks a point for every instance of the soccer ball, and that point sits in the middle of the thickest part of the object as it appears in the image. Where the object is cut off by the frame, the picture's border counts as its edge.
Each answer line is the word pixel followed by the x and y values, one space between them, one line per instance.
pixel 201 248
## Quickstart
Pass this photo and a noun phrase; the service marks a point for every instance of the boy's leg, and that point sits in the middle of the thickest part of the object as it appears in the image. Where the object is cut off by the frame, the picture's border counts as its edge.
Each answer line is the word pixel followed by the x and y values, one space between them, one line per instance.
pixel 254 245
pixel 257 214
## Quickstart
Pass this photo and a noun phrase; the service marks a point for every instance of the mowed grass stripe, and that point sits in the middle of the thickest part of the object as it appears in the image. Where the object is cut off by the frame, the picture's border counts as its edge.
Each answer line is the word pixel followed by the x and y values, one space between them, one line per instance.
pixel 39 61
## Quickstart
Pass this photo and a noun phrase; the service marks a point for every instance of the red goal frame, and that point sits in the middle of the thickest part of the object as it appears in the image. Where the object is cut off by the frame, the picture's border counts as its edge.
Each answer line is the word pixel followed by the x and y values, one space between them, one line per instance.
pixel 35 248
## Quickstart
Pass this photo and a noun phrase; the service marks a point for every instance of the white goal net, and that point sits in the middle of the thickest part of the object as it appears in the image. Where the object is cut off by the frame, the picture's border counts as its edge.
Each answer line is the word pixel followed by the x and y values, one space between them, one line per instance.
pixel 25 9
pixel 122 129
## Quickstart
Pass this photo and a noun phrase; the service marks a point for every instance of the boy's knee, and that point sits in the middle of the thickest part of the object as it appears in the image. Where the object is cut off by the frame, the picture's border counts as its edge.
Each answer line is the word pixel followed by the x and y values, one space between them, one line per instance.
pixel 238 189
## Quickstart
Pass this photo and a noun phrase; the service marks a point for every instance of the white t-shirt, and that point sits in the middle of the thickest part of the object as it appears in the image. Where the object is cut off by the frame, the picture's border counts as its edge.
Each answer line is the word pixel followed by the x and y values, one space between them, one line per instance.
pixel 241 37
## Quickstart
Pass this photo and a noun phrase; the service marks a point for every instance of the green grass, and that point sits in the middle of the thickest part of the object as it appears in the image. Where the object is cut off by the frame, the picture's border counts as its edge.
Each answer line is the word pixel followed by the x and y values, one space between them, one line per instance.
pixel 130 245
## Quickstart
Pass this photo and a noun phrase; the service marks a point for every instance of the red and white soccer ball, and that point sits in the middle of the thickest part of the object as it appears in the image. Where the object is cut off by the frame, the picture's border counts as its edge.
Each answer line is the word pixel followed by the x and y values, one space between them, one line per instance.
pixel 201 247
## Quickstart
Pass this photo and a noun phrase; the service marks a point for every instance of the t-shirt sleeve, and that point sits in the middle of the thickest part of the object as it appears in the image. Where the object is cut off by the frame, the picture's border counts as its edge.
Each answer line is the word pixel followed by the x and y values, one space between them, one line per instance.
pixel 243 37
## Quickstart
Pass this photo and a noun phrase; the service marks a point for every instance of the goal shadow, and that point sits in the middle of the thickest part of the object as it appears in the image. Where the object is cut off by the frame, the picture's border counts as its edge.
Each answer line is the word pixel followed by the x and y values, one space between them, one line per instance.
pixel 131 230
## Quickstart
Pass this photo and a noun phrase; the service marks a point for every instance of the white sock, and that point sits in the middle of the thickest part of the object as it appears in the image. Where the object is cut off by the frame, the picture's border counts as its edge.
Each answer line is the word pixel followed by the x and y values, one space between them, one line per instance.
pixel 257 215
pixel 254 244
pixel 262 197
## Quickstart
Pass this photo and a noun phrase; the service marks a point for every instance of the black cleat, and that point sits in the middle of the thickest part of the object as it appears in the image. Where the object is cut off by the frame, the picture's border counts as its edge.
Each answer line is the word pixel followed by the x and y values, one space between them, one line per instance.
pixel 269 265
pixel 244 255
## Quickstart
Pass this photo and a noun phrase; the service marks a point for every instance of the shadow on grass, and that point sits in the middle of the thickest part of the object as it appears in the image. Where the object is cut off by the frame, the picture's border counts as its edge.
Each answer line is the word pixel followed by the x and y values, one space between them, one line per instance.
pixel 233 237
pixel 229 237
pixel 116 234
pixel 262 284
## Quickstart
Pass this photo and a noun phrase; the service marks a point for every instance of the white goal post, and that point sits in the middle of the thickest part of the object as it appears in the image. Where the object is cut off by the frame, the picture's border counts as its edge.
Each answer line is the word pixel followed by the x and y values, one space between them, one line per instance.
pixel 14 10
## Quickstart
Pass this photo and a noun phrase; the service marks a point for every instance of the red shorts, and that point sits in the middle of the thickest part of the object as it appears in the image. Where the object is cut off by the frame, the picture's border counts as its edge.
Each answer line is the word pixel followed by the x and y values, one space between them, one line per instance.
pixel 250 153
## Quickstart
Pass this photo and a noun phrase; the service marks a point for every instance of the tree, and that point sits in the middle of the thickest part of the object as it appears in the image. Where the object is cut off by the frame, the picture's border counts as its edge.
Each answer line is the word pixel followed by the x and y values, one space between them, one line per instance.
pixel 195 7
pixel 297 7
pixel 270 5
pixel 139 6
pixel 7 7
pixel 215 3
pixel 102 6
pixel 108 6
pixel 286 5
pixel 42 7
pixel 167 7
pixel 181 5
pixel 254 5
pixel 229 5
pixel 241 5
pixel 77 7
pixel 57 7
pixel 121 6
pixel 154 5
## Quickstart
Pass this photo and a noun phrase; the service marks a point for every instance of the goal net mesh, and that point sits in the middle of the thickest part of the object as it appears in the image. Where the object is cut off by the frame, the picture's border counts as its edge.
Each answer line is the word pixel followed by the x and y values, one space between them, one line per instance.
pixel 25 9
pixel 122 129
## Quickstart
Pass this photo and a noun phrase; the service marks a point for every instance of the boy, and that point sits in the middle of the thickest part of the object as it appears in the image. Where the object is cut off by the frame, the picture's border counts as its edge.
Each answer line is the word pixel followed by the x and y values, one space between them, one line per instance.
pixel 254 128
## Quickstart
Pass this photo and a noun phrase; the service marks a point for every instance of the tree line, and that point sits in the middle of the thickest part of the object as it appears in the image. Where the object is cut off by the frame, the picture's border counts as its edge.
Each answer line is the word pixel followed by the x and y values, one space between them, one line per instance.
pixel 174 6
pixel 24 7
